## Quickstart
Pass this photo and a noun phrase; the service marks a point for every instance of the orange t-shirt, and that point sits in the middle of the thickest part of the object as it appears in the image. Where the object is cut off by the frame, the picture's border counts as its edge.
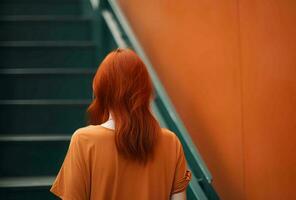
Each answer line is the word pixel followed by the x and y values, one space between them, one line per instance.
pixel 93 169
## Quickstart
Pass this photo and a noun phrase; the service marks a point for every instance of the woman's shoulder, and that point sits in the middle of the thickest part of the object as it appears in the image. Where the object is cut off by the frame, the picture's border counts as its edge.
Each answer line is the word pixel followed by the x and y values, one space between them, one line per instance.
pixel 91 133
pixel 168 133
pixel 169 136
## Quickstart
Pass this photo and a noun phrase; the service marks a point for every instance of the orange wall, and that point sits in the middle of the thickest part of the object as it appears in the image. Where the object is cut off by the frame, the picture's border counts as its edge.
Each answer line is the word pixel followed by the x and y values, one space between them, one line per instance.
pixel 230 69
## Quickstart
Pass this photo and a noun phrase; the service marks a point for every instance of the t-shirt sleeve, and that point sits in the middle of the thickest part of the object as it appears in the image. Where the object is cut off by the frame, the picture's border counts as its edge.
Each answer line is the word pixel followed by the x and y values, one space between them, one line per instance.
pixel 182 173
pixel 73 179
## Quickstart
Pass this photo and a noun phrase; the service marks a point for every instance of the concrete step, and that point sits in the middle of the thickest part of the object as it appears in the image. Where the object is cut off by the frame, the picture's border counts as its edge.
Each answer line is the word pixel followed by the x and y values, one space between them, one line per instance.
pixel 44 7
pixel 46 83
pixel 24 188
pixel 36 155
pixel 45 28
pixel 42 116
pixel 48 53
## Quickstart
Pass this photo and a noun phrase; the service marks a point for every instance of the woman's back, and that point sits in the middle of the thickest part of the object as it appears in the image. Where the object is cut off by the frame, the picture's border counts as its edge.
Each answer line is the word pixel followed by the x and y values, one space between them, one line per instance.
pixel 93 169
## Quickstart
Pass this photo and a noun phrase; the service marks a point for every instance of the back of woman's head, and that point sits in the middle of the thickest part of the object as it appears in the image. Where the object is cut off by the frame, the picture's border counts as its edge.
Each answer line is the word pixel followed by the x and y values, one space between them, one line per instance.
pixel 122 86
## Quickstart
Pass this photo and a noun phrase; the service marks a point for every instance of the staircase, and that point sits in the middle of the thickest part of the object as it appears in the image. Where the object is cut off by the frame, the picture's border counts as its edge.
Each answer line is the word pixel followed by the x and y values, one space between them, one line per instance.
pixel 48 56
pixel 49 51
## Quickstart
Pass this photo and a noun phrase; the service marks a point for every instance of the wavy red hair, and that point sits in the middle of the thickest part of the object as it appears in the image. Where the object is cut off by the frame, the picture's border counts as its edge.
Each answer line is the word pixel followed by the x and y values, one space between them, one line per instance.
pixel 122 87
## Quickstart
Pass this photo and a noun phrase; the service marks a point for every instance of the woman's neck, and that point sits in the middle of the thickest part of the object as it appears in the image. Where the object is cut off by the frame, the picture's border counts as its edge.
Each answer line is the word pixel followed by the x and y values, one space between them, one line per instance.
pixel 109 123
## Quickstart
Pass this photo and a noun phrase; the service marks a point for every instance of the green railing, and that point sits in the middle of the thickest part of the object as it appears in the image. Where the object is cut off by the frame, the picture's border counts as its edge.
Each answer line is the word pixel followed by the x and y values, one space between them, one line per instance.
pixel 200 187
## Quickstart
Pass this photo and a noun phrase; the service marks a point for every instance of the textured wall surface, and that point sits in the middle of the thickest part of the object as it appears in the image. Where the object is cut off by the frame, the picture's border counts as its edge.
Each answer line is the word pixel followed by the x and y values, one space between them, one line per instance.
pixel 230 69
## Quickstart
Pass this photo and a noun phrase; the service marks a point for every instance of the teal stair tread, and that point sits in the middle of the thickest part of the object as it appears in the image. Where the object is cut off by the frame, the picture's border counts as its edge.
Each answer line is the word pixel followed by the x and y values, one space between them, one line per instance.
pixel 47 44
pixel 42 116
pixel 48 54
pixel 44 18
pixel 55 70
pixel 51 69
pixel 34 137
pixel 60 83
pixel 46 28
pixel 31 181
pixel 43 1
pixel 37 155
pixel 36 102
pixel 44 7
pixel 40 8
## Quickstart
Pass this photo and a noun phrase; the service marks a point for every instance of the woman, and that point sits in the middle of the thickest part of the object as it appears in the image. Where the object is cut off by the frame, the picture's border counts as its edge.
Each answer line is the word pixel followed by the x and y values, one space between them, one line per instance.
pixel 123 153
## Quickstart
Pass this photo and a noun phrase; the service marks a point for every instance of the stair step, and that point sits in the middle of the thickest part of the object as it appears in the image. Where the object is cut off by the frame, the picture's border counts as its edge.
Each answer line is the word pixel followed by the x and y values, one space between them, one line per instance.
pixel 23 188
pixel 28 181
pixel 28 71
pixel 49 53
pixel 64 44
pixel 43 18
pixel 59 83
pixel 44 102
pixel 43 1
pixel 37 155
pixel 38 27
pixel 42 116
pixel 30 138
pixel 17 7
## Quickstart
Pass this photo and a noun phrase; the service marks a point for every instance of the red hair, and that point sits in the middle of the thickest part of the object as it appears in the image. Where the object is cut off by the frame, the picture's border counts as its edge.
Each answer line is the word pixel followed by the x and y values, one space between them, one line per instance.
pixel 122 86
